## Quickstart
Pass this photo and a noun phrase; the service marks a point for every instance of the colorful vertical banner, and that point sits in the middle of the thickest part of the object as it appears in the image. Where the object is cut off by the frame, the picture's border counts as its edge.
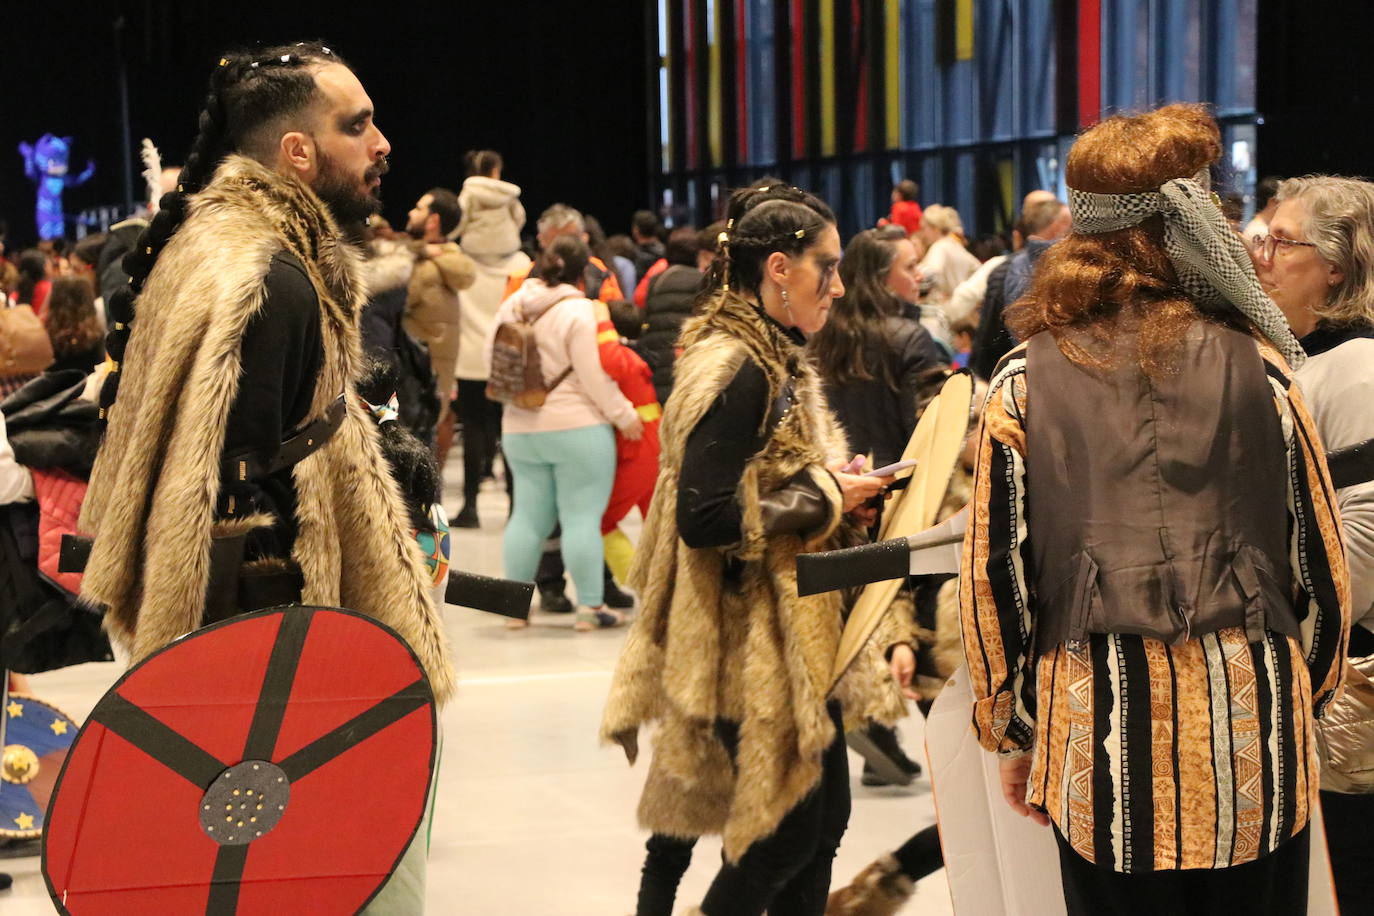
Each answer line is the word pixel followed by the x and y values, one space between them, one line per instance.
pixel 767 111
pixel 892 60
pixel 826 56
pixel 714 89
pixel 861 64
pixel 665 89
pixel 692 46
pixel 1089 62
pixel 963 29
pixel 798 60
pixel 745 89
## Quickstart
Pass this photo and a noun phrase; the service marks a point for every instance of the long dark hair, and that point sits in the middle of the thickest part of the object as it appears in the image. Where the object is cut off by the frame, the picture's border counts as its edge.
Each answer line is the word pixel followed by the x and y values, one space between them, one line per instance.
pixel 33 267
pixel 856 318
pixel 71 320
pixel 248 92
pixel 758 222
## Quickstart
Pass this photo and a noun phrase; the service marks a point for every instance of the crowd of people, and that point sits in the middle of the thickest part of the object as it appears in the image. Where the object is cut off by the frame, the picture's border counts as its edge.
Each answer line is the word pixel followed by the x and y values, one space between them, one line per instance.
pixel 1131 607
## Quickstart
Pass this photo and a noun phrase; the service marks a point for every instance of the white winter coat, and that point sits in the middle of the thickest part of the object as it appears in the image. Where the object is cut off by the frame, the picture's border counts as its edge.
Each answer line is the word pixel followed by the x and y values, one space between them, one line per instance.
pixel 492 217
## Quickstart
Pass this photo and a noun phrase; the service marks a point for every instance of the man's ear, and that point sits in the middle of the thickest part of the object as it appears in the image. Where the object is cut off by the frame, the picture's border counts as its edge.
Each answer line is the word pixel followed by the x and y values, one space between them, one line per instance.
pixel 297 152
pixel 432 224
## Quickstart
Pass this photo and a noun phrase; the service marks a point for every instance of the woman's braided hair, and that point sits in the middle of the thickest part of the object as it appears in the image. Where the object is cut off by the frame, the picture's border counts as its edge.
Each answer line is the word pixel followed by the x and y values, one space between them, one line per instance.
pixel 758 222
pixel 248 91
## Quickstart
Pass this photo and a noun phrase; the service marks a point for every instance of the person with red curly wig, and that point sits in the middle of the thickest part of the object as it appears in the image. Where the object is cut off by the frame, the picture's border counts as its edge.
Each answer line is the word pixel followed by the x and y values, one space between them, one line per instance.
pixel 1154 594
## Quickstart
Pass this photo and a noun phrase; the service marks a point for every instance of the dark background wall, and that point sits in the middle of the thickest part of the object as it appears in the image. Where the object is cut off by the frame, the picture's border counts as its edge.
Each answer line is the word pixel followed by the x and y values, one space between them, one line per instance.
pixel 558 88
pixel 1316 87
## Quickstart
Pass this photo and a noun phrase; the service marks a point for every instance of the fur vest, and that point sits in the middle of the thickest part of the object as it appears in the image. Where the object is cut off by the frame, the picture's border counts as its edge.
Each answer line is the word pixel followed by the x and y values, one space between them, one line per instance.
pixel 753 652
pixel 156 479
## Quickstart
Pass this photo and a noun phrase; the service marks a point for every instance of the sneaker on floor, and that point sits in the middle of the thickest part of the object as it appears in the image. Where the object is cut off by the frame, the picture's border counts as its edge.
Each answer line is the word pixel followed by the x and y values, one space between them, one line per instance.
pixel 873 778
pixel 877 761
pixel 466 517
pixel 597 618
pixel 885 738
pixel 554 602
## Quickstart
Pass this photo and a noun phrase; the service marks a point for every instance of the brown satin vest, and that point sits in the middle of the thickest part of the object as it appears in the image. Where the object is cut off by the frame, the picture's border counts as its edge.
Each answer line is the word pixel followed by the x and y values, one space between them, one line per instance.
pixel 1156 506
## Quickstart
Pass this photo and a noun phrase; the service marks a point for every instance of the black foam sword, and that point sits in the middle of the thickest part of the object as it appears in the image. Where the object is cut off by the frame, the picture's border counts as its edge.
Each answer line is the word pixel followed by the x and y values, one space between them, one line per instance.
pixel 482 593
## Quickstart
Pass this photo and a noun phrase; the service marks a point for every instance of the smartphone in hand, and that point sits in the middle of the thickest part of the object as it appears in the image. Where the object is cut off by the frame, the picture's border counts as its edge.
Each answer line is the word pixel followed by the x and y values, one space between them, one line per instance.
pixel 895 467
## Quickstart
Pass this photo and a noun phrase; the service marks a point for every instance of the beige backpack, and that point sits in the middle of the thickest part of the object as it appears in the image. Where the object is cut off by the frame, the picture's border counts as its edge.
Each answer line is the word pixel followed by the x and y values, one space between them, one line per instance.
pixel 516 375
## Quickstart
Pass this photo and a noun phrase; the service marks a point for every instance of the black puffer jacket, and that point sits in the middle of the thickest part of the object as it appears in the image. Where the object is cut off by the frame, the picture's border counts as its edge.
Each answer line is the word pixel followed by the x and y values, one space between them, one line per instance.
pixel 667 306
pixel 877 419
pixel 50 427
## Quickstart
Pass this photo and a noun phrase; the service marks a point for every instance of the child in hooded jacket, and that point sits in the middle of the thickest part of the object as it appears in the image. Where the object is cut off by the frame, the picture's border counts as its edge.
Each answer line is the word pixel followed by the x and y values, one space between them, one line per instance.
pixel 492 215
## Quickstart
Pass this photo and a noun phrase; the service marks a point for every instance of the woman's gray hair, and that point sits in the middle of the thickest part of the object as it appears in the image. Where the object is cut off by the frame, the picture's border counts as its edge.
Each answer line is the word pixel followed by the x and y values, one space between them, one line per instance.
pixel 1340 222
pixel 560 215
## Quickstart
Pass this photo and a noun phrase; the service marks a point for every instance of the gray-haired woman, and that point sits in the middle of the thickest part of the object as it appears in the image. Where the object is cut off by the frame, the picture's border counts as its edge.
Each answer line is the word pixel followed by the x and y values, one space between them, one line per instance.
pixel 1317 263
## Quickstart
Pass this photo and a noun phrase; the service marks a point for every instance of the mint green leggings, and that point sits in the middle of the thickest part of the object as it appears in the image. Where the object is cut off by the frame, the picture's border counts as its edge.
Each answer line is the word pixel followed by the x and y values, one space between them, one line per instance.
pixel 562 477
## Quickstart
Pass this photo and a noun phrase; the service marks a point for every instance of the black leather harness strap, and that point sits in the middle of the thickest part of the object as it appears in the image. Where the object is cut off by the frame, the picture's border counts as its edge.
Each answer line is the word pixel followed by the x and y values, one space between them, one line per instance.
pixel 301 445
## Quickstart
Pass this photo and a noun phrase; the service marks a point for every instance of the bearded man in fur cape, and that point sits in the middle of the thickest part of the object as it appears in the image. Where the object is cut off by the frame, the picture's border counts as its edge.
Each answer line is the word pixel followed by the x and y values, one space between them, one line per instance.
pixel 245 332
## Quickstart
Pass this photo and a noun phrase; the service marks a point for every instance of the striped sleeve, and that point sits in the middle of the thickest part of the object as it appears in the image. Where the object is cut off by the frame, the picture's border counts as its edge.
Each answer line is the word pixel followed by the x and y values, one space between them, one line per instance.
pixel 1316 551
pixel 993 598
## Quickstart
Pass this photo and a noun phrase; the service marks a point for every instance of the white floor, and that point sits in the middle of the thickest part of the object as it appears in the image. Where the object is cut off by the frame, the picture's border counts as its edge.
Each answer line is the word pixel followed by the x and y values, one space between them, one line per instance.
pixel 533 817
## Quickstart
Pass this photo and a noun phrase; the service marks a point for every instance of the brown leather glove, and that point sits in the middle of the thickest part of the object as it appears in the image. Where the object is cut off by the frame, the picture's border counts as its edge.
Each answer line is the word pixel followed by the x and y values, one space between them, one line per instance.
pixel 799 507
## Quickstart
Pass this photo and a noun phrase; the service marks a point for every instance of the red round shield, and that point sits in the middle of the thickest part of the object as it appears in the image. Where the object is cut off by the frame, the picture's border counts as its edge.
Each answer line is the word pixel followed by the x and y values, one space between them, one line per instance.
pixel 275 763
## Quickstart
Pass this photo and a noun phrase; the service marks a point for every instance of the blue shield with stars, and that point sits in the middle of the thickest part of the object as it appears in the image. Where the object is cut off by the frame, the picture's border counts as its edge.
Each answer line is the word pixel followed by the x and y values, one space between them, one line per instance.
pixel 37 738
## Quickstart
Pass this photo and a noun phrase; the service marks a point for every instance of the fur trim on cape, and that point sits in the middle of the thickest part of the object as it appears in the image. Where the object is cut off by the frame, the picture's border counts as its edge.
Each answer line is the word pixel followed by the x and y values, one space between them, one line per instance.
pixel 754 653
pixel 155 483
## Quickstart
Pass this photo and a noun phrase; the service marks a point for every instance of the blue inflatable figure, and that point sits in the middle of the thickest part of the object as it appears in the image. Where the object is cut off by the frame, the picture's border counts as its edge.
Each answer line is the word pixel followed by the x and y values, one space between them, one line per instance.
pixel 46 165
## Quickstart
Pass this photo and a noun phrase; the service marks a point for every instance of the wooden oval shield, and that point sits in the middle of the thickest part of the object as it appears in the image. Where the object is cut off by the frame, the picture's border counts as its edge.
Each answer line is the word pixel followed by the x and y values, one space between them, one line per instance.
pixel 278 762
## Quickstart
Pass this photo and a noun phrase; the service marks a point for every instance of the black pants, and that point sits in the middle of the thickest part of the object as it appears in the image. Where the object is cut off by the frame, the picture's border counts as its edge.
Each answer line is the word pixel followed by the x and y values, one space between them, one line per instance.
pixel 1274 885
pixel 788 873
pixel 665 862
pixel 481 419
pixel 1350 841
pixel 921 855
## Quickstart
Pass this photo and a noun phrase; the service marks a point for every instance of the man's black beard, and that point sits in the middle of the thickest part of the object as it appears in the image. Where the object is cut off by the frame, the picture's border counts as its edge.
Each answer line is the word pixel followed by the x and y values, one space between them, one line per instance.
pixel 350 207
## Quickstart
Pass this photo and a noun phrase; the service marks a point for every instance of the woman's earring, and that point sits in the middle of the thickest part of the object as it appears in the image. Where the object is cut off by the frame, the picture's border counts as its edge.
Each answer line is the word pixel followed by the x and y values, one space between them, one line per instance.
pixel 786 304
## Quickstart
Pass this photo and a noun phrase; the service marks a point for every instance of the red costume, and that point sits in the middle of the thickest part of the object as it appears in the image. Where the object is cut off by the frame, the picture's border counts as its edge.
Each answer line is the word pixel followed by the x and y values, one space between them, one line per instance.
pixel 636 462
pixel 907 214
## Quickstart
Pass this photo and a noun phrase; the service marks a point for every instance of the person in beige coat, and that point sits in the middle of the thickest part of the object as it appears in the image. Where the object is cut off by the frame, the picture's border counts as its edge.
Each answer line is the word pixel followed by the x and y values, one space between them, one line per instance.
pixel 432 306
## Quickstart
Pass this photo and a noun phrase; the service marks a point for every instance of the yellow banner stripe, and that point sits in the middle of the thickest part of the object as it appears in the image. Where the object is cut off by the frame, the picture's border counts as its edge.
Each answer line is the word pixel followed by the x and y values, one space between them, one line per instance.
pixel 963 30
pixel 827 64
pixel 893 77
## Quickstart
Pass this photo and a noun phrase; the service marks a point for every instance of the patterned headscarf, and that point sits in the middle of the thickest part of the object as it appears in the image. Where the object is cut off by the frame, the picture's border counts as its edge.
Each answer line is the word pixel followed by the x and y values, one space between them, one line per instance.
pixel 1211 261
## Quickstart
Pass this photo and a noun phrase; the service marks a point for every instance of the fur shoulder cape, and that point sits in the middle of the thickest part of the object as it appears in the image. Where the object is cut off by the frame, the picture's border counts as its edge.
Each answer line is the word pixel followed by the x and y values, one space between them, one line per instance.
pixel 754 652
pixel 156 478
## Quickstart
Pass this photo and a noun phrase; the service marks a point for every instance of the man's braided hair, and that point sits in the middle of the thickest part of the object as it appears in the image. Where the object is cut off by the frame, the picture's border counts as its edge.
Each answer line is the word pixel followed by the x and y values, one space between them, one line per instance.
pixel 250 93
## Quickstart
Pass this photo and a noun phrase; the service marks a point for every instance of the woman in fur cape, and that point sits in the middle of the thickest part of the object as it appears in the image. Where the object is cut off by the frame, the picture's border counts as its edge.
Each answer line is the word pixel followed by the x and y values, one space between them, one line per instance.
pixel 729 664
